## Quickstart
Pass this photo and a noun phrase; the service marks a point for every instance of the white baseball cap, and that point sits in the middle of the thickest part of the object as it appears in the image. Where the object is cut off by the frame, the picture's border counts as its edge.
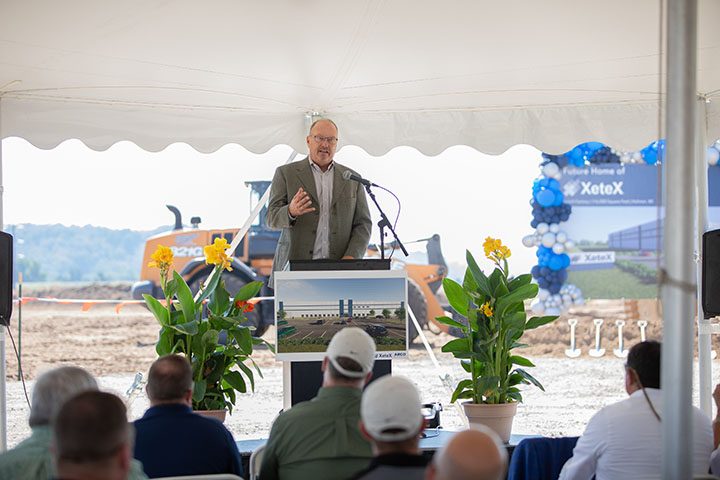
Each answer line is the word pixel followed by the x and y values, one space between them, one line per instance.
pixel 355 344
pixel 390 409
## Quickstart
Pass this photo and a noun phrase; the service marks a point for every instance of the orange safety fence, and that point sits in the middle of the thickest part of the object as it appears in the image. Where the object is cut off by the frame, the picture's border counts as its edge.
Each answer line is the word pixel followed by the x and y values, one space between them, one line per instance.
pixel 87 304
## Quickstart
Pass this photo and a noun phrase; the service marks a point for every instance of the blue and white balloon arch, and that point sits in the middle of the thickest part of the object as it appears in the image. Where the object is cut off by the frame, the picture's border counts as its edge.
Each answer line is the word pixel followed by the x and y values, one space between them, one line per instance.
pixel 549 211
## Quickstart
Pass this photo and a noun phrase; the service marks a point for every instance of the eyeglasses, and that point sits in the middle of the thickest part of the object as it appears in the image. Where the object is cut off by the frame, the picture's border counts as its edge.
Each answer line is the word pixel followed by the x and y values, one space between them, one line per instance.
pixel 330 140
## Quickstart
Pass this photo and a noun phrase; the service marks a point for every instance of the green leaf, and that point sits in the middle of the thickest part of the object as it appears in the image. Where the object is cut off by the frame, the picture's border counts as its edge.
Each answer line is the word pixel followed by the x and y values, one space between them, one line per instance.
pixel 462 385
pixel 497 280
pixel 515 320
pixel 219 300
pixel 248 374
pixel 487 385
pixel 165 341
pixel 520 294
pixel 535 322
pixel 244 339
pixel 248 291
pixel 158 310
pixel 466 365
pixel 199 388
pixel 188 328
pixel 522 361
pixel 529 378
pixel 456 296
pixel 515 379
pixel 517 396
pixel 481 280
pixel 459 345
pixel 236 381
pixel 519 281
pixel 184 295
pixel 469 283
pixel 210 288
pixel 210 339
pixel 451 322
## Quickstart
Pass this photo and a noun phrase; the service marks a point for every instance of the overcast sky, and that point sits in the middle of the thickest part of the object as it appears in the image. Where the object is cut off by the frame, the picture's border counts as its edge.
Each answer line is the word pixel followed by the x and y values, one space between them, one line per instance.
pixel 461 194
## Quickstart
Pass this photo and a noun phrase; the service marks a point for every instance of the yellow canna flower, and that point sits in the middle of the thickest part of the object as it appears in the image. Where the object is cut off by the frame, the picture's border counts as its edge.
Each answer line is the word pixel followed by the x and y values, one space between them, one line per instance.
pixel 162 258
pixel 487 309
pixel 215 254
pixel 495 250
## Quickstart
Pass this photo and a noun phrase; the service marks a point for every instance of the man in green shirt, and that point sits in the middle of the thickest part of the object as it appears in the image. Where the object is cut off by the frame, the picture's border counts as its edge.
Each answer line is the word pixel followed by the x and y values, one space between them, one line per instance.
pixel 31 459
pixel 321 439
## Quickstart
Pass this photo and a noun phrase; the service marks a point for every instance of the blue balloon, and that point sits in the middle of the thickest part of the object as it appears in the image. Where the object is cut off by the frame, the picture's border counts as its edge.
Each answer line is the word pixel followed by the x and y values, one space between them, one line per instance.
pixel 559 198
pixel 555 262
pixel 545 197
pixel 650 156
pixel 553 184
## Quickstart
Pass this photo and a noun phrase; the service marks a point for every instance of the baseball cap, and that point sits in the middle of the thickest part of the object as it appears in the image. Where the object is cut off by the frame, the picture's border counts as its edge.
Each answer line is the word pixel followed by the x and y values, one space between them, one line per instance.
pixel 390 409
pixel 355 344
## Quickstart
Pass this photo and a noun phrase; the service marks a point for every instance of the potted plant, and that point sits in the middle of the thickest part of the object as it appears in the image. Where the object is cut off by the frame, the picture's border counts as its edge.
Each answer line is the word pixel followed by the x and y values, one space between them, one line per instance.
pixel 193 326
pixel 494 309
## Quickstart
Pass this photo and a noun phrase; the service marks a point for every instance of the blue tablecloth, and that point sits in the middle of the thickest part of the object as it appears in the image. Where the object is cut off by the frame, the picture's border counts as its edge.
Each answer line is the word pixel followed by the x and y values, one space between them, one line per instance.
pixel 540 458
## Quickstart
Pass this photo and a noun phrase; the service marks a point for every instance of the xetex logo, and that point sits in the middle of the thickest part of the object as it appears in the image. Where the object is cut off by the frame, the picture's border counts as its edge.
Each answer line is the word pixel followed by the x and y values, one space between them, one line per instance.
pixel 572 188
pixel 602 188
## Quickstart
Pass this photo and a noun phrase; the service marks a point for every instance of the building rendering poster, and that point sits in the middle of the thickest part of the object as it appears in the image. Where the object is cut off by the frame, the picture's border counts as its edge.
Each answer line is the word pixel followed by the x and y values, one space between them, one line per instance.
pixel 311 306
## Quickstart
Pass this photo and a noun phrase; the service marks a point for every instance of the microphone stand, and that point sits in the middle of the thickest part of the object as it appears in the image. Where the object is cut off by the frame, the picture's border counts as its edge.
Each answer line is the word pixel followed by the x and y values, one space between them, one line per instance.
pixel 383 223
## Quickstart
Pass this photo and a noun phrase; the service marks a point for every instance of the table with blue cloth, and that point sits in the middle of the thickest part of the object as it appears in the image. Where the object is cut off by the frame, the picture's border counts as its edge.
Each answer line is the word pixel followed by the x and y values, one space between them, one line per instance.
pixel 433 440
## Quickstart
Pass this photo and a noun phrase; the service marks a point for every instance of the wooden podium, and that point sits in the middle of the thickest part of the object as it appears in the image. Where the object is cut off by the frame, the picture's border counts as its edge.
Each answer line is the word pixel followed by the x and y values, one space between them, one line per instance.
pixel 303 379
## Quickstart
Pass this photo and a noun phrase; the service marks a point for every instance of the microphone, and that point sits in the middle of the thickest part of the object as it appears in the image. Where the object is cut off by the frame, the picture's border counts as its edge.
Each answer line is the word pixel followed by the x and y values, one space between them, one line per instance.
pixel 348 175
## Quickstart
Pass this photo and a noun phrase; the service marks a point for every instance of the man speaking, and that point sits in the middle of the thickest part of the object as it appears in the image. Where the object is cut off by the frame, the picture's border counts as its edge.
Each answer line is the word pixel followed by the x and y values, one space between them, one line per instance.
pixel 321 213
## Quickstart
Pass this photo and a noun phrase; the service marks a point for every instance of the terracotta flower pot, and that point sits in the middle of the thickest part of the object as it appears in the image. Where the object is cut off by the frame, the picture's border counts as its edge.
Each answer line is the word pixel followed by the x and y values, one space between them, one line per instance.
pixel 497 417
pixel 218 414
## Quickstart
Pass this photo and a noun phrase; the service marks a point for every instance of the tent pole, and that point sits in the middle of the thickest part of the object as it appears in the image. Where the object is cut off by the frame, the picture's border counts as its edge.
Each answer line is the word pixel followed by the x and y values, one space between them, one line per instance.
pixel 678 282
pixel 701 204
pixel 3 379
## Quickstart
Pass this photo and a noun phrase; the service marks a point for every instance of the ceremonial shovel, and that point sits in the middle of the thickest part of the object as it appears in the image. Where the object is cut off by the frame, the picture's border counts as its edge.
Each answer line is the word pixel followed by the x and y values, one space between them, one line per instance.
pixel 598 352
pixel 621 351
pixel 572 352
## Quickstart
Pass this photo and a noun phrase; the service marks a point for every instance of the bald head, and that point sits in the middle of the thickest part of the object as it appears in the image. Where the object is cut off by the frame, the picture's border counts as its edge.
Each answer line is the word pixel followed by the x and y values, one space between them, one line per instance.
pixel 476 454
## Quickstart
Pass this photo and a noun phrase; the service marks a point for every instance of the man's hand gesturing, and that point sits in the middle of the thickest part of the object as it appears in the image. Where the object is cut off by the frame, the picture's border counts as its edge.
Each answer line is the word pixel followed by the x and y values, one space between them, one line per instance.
pixel 300 204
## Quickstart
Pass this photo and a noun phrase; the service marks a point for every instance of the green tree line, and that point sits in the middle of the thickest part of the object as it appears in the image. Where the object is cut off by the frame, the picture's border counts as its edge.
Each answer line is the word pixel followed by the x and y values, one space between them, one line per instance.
pixel 58 253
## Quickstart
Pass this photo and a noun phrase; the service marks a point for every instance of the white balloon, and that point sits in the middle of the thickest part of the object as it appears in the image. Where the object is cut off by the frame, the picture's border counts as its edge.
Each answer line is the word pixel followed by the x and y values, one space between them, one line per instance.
pixel 712 156
pixel 557 299
pixel 542 228
pixel 625 157
pixel 538 308
pixel 554 227
pixel 637 156
pixel 717 144
pixel 548 240
pixel 552 311
pixel 558 248
pixel 528 240
pixel 543 294
pixel 567 299
pixel 569 244
pixel 551 169
pixel 561 237
pixel 580 301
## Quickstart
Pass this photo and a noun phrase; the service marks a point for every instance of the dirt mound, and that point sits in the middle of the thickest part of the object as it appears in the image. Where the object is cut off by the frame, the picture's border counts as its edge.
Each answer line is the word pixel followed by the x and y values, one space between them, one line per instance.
pixel 83 291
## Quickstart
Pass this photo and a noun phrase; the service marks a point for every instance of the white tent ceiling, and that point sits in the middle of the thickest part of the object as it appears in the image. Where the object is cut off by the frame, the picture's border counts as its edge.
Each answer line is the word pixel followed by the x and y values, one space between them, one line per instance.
pixel 422 73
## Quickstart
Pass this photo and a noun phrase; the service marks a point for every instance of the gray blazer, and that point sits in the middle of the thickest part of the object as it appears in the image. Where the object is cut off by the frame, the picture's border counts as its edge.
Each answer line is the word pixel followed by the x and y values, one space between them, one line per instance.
pixel 350 222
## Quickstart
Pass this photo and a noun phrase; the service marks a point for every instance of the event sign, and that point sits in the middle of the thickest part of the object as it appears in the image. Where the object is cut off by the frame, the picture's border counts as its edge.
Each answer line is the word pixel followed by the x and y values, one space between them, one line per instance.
pixel 610 185
pixel 311 306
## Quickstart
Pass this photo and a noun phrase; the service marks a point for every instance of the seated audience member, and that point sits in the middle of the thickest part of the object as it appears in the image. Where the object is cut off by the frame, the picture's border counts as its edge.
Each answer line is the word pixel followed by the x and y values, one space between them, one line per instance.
pixel 170 439
pixel 31 459
pixel 715 457
pixel 624 440
pixel 320 439
pixel 92 439
pixel 391 419
pixel 475 454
